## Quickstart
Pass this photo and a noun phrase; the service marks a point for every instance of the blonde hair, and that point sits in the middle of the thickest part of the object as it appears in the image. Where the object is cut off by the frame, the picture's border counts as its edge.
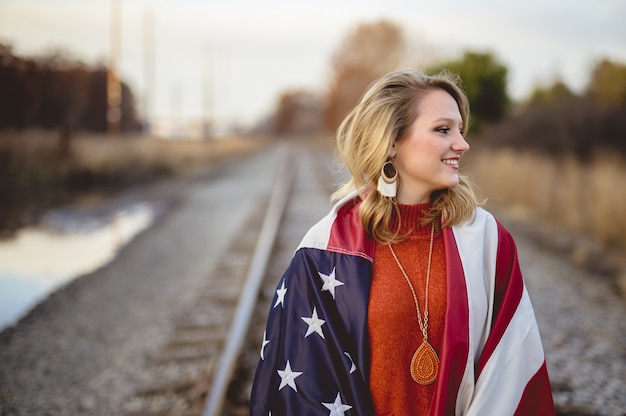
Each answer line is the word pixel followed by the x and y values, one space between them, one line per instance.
pixel 385 114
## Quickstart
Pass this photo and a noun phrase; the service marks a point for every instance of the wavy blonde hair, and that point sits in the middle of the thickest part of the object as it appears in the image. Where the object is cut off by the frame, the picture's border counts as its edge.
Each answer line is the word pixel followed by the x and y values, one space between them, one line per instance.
pixel 385 114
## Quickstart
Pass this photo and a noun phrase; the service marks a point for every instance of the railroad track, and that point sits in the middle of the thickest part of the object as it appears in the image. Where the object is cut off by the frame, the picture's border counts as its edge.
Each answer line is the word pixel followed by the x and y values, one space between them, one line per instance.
pixel 207 363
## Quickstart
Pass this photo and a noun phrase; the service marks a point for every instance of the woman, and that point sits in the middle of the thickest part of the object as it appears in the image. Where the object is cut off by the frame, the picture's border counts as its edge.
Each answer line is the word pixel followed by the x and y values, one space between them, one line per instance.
pixel 407 299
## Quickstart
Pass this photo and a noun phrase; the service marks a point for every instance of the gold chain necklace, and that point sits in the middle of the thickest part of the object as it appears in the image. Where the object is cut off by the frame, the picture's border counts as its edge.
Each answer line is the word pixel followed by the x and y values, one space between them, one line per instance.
pixel 425 362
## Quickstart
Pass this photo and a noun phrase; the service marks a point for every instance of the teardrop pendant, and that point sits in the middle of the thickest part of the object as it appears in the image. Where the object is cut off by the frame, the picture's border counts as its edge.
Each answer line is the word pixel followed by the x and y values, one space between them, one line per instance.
pixel 424 364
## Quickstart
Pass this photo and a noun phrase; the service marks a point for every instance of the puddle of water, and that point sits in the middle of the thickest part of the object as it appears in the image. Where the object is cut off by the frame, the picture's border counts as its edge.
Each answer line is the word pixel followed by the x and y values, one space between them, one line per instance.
pixel 66 245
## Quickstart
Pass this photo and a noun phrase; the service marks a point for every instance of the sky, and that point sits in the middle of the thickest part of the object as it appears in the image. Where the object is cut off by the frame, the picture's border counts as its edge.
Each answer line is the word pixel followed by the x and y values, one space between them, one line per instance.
pixel 230 60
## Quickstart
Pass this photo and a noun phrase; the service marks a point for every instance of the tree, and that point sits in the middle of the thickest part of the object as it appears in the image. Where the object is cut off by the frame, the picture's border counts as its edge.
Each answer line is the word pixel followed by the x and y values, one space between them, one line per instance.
pixel 297 112
pixel 607 82
pixel 557 93
pixel 484 79
pixel 367 52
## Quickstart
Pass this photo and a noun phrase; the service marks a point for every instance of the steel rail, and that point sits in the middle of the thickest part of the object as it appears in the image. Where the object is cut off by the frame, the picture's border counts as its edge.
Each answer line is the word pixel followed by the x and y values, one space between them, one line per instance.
pixel 248 299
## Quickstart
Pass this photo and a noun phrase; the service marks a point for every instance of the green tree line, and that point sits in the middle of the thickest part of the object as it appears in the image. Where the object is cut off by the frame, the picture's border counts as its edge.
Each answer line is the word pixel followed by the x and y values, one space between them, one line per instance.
pixel 557 121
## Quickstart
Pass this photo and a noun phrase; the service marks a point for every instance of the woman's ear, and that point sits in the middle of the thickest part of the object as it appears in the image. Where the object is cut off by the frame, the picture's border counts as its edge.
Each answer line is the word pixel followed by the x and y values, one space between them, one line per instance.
pixel 392 151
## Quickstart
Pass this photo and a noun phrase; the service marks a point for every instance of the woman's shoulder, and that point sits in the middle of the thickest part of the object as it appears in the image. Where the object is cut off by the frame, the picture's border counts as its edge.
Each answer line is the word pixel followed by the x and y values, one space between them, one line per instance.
pixel 484 223
pixel 479 218
pixel 340 230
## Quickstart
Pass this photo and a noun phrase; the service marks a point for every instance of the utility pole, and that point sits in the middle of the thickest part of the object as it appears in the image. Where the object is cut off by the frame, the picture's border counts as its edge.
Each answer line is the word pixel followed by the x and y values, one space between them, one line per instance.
pixel 114 86
pixel 148 63
pixel 177 129
pixel 207 91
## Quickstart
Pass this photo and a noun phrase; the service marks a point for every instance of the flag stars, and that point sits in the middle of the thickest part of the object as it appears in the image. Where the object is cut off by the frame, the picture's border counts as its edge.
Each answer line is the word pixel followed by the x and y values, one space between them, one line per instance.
pixel 315 324
pixel 330 282
pixel 280 293
pixel 265 342
pixel 352 365
pixel 288 377
pixel 337 408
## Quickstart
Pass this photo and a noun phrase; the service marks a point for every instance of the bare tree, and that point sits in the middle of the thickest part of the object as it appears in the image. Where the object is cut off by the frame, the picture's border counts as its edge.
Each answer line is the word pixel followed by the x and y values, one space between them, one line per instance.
pixel 368 51
pixel 298 113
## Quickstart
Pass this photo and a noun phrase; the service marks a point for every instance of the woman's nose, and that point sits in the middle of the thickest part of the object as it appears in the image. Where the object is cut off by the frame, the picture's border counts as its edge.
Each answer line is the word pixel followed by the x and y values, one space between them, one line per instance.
pixel 460 144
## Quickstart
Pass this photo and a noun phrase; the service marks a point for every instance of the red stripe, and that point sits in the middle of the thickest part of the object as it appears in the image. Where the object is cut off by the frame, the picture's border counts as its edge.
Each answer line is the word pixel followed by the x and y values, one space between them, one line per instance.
pixel 455 348
pixel 346 233
pixel 509 288
pixel 535 401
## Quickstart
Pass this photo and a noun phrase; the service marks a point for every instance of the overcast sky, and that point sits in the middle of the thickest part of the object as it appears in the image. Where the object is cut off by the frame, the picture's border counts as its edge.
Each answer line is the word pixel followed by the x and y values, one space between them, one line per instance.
pixel 243 53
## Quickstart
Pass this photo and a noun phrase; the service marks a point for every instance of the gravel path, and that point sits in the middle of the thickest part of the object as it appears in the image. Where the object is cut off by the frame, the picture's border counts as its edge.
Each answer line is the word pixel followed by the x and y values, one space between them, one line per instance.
pixel 581 319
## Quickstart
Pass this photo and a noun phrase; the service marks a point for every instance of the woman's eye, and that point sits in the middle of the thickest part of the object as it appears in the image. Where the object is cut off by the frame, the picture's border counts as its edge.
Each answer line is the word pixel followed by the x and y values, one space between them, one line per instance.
pixel 443 130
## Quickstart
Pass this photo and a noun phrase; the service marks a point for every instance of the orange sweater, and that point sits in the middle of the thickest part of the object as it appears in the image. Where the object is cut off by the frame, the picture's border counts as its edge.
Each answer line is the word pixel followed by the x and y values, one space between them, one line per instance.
pixel 392 319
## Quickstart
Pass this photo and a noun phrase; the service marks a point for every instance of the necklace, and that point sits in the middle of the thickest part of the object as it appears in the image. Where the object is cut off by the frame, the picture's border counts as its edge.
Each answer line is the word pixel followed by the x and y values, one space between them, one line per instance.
pixel 425 362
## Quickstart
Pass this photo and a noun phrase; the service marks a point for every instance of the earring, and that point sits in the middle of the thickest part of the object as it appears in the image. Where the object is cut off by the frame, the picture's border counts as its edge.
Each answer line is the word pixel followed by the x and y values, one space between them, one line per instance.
pixel 388 185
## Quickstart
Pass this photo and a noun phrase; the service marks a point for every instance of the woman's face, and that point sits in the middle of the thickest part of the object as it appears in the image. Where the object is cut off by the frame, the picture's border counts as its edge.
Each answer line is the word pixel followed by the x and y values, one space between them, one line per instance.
pixel 427 159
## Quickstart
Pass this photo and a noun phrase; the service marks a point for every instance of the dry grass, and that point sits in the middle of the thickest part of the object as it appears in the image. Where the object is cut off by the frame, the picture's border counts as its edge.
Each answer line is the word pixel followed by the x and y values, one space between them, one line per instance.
pixel 586 198
pixel 37 172
pixel 38 156
pixel 170 156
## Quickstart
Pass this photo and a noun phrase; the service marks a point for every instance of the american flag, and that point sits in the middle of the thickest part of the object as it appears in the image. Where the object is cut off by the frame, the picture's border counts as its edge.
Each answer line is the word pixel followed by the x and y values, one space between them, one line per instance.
pixel 310 362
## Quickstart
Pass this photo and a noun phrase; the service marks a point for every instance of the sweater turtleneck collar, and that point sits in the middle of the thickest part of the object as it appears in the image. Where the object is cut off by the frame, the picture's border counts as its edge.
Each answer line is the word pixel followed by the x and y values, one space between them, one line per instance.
pixel 411 216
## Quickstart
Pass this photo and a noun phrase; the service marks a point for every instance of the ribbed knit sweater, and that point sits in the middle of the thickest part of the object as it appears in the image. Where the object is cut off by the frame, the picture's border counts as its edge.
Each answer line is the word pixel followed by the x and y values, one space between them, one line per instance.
pixel 392 319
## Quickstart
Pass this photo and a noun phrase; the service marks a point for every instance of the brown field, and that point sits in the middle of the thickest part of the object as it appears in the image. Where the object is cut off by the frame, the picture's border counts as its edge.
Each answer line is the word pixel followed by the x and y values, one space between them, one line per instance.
pixel 38 170
pixel 587 198
pixel 40 155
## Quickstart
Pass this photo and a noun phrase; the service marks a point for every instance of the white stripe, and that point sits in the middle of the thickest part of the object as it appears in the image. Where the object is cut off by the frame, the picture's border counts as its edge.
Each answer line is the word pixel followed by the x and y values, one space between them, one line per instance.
pixel 519 354
pixel 477 243
pixel 516 359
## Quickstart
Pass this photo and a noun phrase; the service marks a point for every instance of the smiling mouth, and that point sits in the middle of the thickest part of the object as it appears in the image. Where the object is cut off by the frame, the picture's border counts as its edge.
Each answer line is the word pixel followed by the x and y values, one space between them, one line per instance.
pixel 451 162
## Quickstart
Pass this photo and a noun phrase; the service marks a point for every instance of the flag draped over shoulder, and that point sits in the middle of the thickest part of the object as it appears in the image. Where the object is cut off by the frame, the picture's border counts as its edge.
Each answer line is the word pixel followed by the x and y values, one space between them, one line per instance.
pixel 314 356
